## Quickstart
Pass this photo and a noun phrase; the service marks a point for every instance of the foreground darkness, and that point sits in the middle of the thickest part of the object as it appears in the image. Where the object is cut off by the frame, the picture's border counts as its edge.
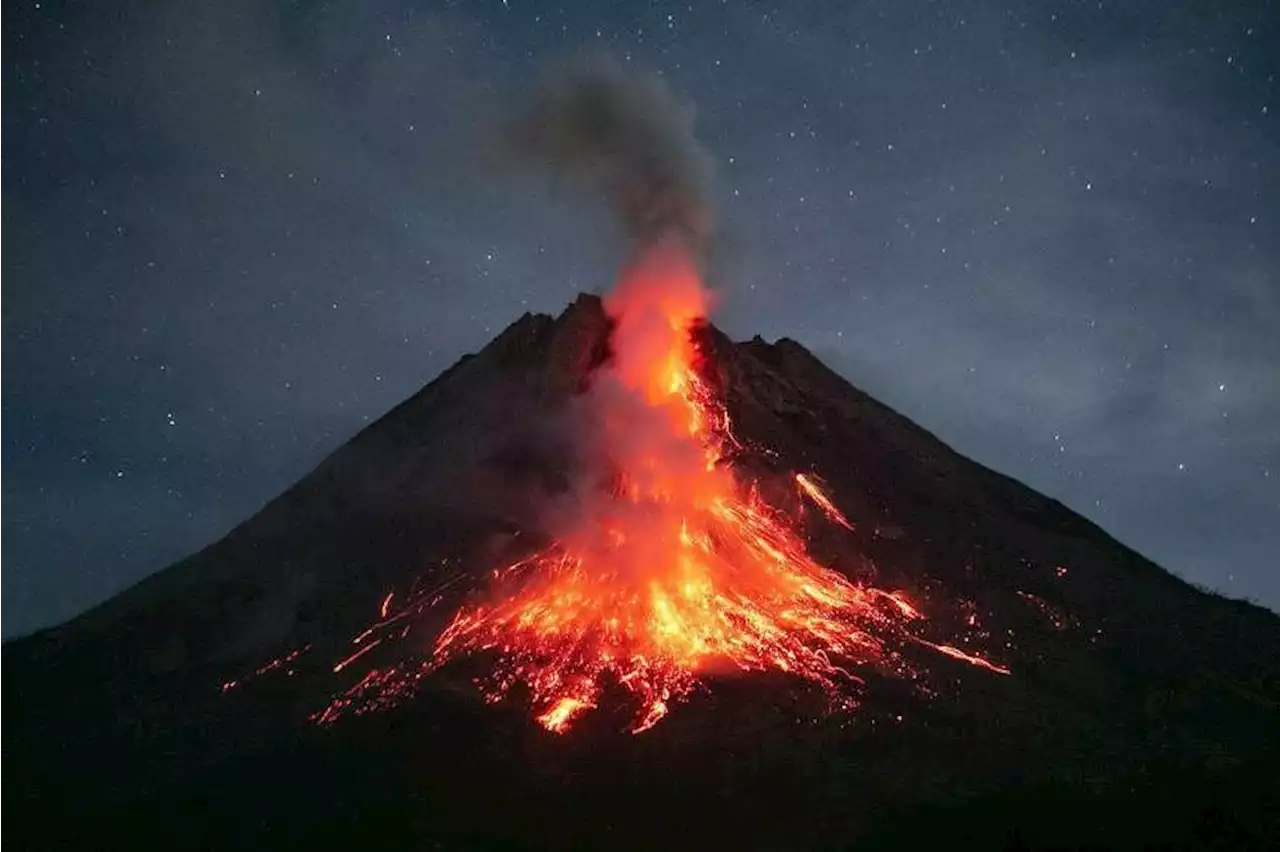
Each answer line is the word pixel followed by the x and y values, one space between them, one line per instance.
pixel 1140 711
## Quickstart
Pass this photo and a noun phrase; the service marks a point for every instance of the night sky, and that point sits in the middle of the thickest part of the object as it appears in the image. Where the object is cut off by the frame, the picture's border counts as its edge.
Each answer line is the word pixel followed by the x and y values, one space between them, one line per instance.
pixel 236 232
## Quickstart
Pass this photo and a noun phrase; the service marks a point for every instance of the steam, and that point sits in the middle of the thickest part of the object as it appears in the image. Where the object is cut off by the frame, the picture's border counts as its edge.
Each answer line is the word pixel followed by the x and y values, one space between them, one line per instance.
pixel 628 137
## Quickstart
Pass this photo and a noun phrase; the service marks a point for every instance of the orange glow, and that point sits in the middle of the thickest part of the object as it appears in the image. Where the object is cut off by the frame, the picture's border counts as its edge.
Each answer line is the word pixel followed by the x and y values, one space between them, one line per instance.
pixel 342 664
pixel 971 659
pixel 557 719
pixel 673 568
pixel 811 490
pixel 680 568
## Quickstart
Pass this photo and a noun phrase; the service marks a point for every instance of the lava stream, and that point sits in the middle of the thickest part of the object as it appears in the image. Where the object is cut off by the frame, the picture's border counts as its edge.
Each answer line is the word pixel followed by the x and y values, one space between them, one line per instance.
pixel 671 568
pixel 679 567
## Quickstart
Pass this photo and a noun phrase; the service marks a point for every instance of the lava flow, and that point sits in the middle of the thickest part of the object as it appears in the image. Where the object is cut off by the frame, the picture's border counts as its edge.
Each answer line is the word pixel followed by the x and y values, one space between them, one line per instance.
pixel 677 567
pixel 670 567
pixel 665 565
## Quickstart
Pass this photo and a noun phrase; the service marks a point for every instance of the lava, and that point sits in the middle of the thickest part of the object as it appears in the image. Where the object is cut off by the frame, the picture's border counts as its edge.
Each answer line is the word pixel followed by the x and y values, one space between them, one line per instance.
pixel 346 661
pixel 678 569
pixel 671 569
pixel 964 656
pixel 809 487
pixel 665 566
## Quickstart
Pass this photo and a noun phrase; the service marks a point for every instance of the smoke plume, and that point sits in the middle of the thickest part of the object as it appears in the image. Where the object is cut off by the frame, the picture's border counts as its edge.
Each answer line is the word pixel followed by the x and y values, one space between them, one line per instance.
pixel 628 137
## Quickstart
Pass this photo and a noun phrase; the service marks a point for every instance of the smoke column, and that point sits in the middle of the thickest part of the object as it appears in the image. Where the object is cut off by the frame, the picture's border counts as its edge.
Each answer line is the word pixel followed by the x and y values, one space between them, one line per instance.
pixel 629 138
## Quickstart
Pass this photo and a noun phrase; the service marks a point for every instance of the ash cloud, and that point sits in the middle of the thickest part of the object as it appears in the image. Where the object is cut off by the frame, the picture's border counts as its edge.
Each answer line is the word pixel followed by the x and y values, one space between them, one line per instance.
pixel 625 136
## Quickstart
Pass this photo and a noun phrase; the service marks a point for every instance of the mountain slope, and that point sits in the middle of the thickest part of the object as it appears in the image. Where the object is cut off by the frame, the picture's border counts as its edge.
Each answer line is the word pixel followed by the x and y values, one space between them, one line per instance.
pixel 117 719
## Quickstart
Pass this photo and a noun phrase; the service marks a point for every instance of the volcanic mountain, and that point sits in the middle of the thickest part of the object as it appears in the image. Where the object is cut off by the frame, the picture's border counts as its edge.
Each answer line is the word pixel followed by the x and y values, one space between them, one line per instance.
pixel 945 653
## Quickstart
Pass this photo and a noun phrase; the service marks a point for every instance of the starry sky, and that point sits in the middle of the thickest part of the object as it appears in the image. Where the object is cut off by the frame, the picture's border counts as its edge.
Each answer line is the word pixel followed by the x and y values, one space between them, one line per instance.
pixel 236 232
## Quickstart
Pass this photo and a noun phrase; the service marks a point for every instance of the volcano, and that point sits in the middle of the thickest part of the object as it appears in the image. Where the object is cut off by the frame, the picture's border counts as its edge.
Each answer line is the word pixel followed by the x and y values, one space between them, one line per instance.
pixel 763 611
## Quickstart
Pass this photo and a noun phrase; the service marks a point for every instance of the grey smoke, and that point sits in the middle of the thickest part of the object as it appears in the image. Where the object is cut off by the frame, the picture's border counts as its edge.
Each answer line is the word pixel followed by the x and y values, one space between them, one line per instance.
pixel 628 137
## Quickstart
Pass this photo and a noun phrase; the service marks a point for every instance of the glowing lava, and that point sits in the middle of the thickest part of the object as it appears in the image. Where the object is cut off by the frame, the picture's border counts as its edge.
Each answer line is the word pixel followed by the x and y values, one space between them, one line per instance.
pixel 676 567
pixel 809 487
pixel 670 568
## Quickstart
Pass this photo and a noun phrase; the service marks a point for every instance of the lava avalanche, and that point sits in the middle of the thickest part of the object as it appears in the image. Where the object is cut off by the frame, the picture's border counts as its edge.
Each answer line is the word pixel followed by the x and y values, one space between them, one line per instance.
pixel 665 563
pixel 671 567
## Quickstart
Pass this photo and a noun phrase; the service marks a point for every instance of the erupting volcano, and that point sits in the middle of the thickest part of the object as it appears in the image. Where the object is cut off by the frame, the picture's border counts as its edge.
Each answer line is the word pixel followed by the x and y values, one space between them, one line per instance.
pixel 664 562
pixel 818 616
pixel 670 565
